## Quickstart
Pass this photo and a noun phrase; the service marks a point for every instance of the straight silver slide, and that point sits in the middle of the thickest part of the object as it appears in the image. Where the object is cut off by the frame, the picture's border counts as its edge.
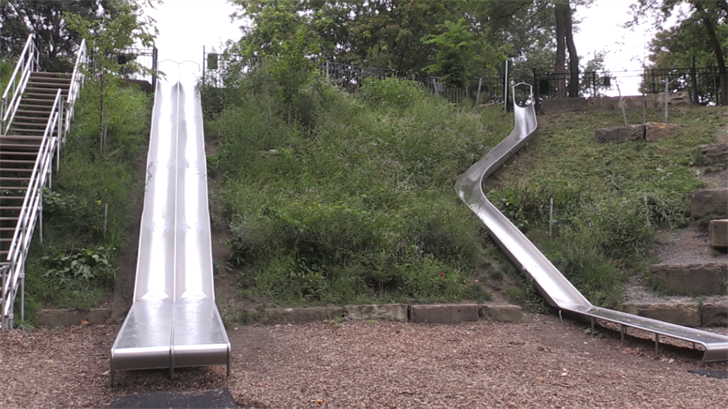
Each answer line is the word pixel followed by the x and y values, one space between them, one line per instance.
pixel 555 288
pixel 173 321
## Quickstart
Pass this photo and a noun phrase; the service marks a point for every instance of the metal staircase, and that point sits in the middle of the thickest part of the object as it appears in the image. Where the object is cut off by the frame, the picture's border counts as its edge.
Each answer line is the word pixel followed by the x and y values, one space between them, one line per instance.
pixel 36 111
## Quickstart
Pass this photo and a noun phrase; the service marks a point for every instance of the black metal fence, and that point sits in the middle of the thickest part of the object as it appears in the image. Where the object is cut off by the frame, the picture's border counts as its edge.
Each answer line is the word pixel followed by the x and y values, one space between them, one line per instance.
pixel 143 57
pixel 487 90
pixel 703 84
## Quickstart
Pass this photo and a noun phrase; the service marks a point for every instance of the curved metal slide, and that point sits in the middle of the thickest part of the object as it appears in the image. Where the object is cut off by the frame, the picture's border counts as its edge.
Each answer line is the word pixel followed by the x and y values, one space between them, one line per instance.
pixel 174 321
pixel 557 290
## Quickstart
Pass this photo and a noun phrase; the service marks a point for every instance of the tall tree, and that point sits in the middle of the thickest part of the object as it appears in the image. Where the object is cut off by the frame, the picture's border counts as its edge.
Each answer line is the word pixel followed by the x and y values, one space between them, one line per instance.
pixel 709 15
pixel 107 37
pixel 565 41
pixel 56 43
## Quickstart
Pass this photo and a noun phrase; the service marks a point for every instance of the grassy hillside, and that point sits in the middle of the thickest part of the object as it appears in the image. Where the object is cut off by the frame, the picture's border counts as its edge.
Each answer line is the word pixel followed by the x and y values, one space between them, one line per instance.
pixel 608 198
pixel 75 266
pixel 353 202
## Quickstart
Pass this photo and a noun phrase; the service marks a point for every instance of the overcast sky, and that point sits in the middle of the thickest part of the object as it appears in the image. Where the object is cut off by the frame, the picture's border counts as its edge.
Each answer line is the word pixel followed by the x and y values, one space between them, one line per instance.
pixel 185 26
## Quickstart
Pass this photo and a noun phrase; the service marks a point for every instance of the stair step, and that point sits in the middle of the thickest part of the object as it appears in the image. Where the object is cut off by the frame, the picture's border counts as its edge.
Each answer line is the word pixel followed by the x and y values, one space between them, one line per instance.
pixel 18 170
pixel 6 218
pixel 33 111
pixel 29 124
pixel 13 188
pixel 18 161
pixel 12 197
pixel 42 76
pixel 11 179
pixel 4 154
pixel 39 101
pixel 23 118
pixel 49 84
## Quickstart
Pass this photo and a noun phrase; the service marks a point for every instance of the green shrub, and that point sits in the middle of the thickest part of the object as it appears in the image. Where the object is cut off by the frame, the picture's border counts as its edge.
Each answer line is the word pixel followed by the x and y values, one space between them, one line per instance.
pixel 392 92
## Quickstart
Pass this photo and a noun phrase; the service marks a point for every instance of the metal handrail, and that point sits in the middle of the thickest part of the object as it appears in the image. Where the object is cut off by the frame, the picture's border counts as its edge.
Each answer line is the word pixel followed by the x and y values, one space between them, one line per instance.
pixel 27 63
pixel 30 209
pixel 76 83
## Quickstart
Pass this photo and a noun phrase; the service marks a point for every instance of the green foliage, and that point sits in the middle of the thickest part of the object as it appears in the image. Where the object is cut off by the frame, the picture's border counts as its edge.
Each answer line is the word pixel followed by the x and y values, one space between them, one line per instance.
pixel 392 92
pixel 74 265
pixel 455 51
pixel 359 207
pixel 106 38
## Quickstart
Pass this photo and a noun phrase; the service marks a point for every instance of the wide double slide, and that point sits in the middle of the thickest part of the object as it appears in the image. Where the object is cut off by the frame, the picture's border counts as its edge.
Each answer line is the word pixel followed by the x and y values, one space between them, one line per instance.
pixel 173 321
pixel 555 288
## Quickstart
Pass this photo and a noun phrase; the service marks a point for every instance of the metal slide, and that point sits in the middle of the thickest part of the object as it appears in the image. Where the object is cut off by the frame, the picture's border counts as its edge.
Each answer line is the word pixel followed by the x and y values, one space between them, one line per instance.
pixel 557 290
pixel 174 321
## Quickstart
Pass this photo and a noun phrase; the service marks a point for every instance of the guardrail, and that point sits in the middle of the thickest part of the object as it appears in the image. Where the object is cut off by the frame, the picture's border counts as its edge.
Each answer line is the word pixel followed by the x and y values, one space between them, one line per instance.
pixel 27 63
pixel 30 210
pixel 59 122
pixel 76 83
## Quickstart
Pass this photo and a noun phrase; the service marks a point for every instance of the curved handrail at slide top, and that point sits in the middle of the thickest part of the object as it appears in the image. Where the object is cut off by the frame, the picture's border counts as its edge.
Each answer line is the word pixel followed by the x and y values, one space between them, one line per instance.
pixel 555 288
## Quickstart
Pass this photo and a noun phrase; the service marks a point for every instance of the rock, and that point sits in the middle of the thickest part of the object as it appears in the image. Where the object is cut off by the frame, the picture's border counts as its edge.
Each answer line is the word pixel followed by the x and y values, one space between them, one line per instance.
pixel 691 279
pixel 678 312
pixel 719 233
pixel 715 313
pixel 388 312
pixel 710 201
pixel 443 313
pixel 560 105
pixel 69 317
pixel 273 316
pixel 675 99
pixel 500 312
pixel 620 134
pixel 712 153
pixel 655 131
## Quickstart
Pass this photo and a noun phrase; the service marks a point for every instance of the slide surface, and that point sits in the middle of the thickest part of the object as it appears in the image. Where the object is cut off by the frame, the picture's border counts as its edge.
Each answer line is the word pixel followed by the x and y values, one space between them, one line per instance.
pixel 557 290
pixel 174 321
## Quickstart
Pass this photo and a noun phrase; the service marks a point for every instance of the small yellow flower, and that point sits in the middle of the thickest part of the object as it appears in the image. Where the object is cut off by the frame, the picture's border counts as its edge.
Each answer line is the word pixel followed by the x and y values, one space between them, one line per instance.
pixel 98 202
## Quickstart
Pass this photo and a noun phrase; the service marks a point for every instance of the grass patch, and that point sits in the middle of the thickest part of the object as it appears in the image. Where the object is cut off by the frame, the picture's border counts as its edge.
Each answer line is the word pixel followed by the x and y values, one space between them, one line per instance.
pixel 75 265
pixel 356 202
pixel 608 198
pixel 358 206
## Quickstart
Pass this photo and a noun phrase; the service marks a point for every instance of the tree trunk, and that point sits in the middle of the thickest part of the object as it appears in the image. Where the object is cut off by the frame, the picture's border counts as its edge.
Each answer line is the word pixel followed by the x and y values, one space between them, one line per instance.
pixel 573 57
pixel 560 69
pixel 717 49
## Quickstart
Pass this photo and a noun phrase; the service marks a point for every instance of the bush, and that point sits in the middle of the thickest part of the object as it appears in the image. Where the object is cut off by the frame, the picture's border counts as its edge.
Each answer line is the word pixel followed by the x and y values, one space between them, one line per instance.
pixel 392 92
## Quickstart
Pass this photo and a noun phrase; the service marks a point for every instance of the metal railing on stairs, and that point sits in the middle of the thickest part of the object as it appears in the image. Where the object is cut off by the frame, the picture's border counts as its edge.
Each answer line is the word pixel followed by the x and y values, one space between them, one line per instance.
pixel 59 121
pixel 29 214
pixel 27 63
pixel 75 88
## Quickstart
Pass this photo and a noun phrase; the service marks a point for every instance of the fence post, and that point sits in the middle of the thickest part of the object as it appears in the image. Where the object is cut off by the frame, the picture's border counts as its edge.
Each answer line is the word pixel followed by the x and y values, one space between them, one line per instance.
pixel 694 81
pixel 477 98
pixel 536 93
pixel 667 95
pixel 505 87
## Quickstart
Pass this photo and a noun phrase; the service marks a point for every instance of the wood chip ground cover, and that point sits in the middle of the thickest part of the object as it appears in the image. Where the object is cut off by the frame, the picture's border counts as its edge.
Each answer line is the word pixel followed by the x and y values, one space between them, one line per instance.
pixel 540 363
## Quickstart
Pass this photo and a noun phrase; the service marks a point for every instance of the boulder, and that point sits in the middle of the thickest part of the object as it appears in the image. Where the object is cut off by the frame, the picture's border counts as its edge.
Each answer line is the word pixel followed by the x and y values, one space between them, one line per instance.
pixel 677 312
pixel 715 313
pixel 718 233
pixel 500 312
pixel 709 201
pixel 273 316
pixel 443 313
pixel 691 279
pixel 655 131
pixel 620 134
pixel 675 99
pixel 713 153
pixel 387 312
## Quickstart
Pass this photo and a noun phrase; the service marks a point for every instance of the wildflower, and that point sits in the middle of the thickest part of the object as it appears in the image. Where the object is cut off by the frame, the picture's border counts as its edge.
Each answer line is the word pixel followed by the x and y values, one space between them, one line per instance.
pixel 442 274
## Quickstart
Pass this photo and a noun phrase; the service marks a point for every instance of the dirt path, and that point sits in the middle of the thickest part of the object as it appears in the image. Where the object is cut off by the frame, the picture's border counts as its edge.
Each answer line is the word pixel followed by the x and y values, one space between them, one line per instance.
pixel 539 363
